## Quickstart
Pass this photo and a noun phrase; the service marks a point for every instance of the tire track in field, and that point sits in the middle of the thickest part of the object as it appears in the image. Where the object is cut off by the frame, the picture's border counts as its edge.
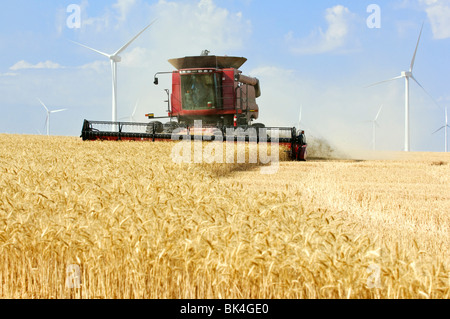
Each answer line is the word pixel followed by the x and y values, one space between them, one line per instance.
pixel 391 201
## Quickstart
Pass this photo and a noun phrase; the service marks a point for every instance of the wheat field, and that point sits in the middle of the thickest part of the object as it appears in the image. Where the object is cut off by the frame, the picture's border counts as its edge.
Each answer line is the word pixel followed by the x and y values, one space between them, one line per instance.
pixel 121 220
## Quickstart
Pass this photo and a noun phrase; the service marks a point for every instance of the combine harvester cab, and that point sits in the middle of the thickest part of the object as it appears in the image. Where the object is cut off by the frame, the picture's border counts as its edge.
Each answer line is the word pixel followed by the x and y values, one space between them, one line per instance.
pixel 210 90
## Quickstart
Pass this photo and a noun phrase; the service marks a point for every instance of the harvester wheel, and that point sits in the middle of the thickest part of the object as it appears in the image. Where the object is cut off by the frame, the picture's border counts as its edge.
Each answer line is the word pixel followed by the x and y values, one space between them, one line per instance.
pixel 258 125
pixel 169 127
pixel 155 126
pixel 299 156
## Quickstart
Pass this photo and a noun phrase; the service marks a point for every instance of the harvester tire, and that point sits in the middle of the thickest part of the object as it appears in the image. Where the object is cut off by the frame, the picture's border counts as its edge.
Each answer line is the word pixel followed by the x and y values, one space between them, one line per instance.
pixel 155 127
pixel 169 127
pixel 299 155
pixel 258 125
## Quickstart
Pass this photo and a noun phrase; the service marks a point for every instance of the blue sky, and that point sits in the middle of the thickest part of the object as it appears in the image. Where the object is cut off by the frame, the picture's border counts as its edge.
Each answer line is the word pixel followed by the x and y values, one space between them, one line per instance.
pixel 316 54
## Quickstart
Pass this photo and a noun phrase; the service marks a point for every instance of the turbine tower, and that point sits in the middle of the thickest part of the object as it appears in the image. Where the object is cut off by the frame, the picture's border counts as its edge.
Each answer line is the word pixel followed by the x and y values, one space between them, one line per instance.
pixel 407 75
pixel 445 127
pixel 47 120
pixel 115 58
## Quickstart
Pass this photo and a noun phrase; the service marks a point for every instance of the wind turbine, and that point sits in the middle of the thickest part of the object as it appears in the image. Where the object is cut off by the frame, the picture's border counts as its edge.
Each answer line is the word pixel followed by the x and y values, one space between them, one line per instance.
pixel 407 75
pixel 47 120
pixel 374 125
pixel 131 118
pixel 115 58
pixel 300 116
pixel 297 124
pixel 445 127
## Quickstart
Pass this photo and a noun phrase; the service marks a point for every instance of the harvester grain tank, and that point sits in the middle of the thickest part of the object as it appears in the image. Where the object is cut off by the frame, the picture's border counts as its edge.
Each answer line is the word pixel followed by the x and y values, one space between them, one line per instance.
pixel 214 90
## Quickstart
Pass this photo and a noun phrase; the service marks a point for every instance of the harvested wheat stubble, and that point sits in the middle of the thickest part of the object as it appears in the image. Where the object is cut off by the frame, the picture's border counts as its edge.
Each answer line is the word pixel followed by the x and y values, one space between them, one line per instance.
pixel 140 226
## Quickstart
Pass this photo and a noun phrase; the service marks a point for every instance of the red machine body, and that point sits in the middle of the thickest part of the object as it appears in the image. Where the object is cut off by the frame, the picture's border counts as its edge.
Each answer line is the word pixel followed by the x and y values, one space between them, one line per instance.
pixel 214 90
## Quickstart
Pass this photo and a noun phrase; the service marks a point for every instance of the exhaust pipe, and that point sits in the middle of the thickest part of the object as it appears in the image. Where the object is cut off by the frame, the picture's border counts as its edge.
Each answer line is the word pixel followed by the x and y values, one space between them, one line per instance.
pixel 250 81
pixel 246 79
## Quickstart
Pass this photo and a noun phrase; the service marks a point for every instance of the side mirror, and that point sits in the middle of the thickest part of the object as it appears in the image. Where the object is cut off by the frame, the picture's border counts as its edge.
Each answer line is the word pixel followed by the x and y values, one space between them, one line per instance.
pixel 156 81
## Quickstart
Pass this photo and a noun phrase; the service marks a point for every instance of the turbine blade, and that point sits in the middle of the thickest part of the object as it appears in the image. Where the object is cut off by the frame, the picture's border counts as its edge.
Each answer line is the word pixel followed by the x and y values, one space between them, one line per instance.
pixel 446 116
pixel 100 52
pixel 42 103
pixel 378 114
pixel 415 52
pixel 132 40
pixel 439 130
pixel 297 124
pixel 393 79
pixel 412 77
pixel 56 111
pixel 300 115
pixel 135 108
pixel 419 84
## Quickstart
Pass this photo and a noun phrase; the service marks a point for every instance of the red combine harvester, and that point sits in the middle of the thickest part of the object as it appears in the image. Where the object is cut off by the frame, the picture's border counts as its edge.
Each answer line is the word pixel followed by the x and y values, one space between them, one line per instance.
pixel 210 89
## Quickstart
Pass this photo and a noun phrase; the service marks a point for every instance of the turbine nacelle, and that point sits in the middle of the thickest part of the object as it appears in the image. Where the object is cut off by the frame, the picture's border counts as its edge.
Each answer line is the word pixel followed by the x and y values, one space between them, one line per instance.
pixel 407 74
pixel 115 58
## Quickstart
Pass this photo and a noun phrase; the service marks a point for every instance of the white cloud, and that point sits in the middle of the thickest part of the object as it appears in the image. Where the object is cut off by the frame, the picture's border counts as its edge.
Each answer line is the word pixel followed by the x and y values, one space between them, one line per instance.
pixel 407 27
pixel 8 74
pixel 438 12
pixel 123 7
pixel 23 65
pixel 97 66
pixel 336 37
pixel 94 24
pixel 190 27
pixel 137 58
